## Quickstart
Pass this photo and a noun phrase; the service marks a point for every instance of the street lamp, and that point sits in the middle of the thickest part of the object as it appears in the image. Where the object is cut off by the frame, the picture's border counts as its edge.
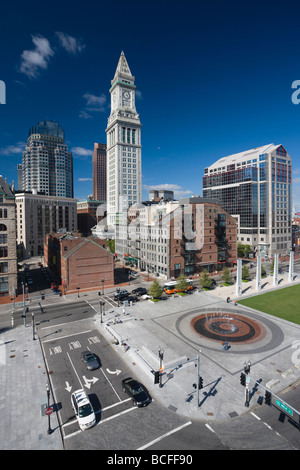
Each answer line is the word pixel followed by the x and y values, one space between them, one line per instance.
pixel 102 280
pixel 161 356
pixel 101 306
pixel 48 396
pixel 118 294
pixel 33 332
pixel 247 366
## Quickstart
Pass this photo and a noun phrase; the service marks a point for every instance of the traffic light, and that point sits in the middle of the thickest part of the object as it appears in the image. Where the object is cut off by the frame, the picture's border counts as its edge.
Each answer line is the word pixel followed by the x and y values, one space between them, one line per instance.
pixel 156 377
pixel 243 379
pixel 268 398
pixel 200 382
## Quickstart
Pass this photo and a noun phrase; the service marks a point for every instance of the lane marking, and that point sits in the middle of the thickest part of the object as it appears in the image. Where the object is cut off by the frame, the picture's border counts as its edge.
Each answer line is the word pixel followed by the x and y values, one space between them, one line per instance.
pixel 120 399
pixel 75 370
pixel 255 416
pixel 104 420
pixel 62 324
pixel 66 336
pixel 165 435
pixel 210 428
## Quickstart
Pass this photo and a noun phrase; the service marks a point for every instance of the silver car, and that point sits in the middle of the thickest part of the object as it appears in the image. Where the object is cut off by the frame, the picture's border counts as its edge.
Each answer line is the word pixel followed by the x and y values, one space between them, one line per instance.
pixel 91 361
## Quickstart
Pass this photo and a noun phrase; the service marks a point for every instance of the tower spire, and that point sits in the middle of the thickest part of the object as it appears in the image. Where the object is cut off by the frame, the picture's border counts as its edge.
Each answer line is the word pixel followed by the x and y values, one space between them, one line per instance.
pixel 123 70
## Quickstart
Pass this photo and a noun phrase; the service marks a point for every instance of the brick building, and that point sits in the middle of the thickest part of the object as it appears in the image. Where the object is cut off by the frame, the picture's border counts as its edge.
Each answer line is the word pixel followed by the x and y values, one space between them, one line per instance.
pixel 8 241
pixel 79 262
pixel 179 237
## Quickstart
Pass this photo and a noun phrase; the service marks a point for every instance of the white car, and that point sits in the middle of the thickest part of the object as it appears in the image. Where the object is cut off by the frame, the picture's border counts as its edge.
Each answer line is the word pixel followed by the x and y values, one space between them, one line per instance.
pixel 145 296
pixel 83 409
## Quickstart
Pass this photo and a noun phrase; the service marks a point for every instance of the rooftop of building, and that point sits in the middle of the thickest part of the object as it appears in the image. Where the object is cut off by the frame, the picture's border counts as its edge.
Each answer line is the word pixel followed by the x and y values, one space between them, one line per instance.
pixel 245 155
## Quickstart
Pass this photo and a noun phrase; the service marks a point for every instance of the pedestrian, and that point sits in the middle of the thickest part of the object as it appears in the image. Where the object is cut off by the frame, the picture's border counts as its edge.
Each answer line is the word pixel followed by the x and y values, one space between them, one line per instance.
pixel 228 300
pixel 235 304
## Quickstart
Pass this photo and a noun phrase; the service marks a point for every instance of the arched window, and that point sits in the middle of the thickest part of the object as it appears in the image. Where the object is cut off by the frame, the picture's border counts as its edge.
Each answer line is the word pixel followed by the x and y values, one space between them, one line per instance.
pixel 3 228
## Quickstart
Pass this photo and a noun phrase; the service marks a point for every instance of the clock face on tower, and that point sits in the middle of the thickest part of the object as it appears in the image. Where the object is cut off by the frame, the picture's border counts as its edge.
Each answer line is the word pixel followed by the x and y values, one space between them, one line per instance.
pixel 126 97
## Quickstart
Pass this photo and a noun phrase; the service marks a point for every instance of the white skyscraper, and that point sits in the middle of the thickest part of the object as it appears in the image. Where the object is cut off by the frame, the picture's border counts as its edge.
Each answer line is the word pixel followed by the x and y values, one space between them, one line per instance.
pixel 124 168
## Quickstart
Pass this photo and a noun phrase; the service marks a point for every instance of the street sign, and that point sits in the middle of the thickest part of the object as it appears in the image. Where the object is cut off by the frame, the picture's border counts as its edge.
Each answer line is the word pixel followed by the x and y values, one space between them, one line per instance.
pixel 284 407
pixel 49 411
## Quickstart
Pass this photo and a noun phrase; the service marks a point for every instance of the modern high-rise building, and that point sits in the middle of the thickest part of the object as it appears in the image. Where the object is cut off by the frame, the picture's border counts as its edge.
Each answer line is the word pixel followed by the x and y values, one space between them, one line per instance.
pixel 99 172
pixel 124 168
pixel 47 164
pixel 255 187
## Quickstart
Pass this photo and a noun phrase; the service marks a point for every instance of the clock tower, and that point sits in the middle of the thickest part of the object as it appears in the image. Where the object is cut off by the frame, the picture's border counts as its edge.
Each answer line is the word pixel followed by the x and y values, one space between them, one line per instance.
pixel 123 132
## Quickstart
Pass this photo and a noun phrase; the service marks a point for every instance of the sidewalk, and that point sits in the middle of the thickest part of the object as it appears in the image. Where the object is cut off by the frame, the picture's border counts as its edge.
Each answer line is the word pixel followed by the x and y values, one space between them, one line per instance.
pixel 23 381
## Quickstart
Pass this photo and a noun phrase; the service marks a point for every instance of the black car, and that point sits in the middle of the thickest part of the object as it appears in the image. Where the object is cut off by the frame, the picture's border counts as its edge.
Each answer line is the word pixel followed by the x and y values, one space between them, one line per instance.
pixel 123 294
pixel 136 391
pixel 139 291
pixel 132 298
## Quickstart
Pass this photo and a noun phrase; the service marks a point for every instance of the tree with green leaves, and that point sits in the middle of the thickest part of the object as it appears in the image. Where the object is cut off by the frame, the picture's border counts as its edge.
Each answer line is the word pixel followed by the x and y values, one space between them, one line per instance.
pixel 111 246
pixel 205 281
pixel 245 272
pixel 226 275
pixel 155 290
pixel 182 283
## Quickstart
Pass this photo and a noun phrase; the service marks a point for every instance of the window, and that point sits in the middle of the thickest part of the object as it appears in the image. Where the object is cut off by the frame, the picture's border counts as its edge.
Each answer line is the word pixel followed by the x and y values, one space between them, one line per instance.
pixel 3 267
pixel 3 252
pixel 3 284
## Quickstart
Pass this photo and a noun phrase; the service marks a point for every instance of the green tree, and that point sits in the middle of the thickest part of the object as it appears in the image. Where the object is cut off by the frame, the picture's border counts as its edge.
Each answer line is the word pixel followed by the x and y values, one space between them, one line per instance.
pixel 205 281
pixel 226 275
pixel 111 246
pixel 245 272
pixel 182 283
pixel 155 290
pixel 243 250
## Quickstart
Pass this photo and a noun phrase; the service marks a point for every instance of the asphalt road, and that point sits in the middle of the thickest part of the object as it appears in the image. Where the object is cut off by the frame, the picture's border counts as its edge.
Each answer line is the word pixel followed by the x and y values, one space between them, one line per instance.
pixel 67 329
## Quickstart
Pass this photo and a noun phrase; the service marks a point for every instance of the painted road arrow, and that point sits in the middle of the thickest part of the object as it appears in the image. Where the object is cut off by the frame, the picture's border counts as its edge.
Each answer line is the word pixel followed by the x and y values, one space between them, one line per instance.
pixel 88 382
pixel 117 371
pixel 68 387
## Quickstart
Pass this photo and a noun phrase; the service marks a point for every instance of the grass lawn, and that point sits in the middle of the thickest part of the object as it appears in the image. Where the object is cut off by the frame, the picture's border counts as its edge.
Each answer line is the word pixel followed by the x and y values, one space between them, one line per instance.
pixel 282 303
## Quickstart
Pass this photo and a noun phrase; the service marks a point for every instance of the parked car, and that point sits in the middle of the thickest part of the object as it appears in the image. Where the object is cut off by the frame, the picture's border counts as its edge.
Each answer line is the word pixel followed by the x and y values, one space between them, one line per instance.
pixel 90 360
pixel 139 291
pixel 131 298
pixel 146 296
pixel 133 274
pixel 136 391
pixel 83 409
pixel 121 295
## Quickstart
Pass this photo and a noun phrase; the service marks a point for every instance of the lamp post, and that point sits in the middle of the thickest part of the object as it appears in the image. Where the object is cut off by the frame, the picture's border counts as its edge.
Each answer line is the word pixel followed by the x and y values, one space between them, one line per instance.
pixel 102 280
pixel 49 431
pixel 118 293
pixel 161 356
pixel 33 332
pixel 247 366
pixel 101 307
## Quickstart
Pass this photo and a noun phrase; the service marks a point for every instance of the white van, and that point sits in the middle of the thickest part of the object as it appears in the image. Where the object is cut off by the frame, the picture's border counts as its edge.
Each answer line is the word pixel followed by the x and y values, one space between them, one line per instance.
pixel 83 409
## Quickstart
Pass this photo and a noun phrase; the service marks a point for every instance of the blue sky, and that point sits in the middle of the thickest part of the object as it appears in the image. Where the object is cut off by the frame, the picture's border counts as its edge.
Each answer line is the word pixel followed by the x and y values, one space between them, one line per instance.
pixel 213 78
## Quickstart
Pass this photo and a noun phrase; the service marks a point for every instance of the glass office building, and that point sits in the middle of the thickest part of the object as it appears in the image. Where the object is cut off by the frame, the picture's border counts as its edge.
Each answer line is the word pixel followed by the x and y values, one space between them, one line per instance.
pixel 255 187
pixel 47 165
